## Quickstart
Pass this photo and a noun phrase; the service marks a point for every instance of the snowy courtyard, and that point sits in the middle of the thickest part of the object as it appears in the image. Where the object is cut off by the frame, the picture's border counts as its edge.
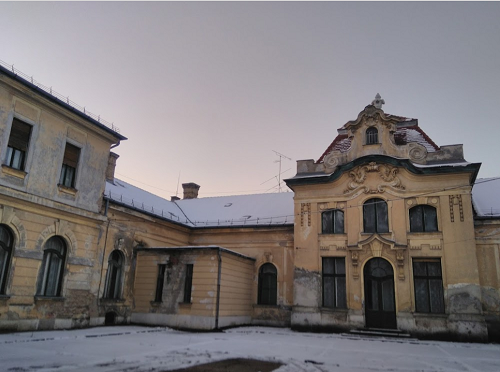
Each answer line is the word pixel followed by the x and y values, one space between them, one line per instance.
pixel 139 349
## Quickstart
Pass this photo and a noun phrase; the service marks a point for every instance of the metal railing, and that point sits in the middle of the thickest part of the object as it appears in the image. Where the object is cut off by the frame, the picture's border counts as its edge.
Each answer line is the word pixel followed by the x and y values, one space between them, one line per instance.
pixel 60 97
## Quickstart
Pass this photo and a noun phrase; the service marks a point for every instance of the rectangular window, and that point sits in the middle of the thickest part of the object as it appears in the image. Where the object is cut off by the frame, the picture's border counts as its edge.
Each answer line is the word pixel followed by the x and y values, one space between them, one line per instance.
pixel 428 285
pixel 159 283
pixel 70 161
pixel 188 284
pixel 332 222
pixel 17 148
pixel 334 286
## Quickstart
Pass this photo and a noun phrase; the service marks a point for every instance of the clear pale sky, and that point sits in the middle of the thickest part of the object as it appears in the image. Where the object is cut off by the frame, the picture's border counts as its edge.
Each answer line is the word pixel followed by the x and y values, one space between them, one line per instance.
pixel 210 89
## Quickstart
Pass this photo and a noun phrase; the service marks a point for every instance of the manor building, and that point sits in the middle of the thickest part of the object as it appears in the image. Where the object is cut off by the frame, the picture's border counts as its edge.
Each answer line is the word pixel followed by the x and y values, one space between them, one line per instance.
pixel 385 230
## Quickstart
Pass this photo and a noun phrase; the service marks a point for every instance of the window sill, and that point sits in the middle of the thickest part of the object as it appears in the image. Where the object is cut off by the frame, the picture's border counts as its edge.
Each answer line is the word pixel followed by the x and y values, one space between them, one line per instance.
pixel 333 310
pixel 266 306
pixel 185 305
pixel 378 144
pixel 343 235
pixel 40 298
pixel 17 173
pixel 4 297
pixel 155 303
pixel 424 233
pixel 430 315
pixel 111 300
pixel 67 190
pixel 387 233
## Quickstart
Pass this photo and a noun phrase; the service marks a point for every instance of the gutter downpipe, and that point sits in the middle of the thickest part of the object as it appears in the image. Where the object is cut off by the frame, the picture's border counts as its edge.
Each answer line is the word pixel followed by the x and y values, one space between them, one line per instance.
pixel 217 304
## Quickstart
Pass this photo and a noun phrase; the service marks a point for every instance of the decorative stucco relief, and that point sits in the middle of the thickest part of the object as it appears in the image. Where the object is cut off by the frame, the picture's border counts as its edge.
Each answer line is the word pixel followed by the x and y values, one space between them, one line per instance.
pixel 377 246
pixel 8 217
pixel 387 173
pixel 305 209
pixel 456 200
pixel 60 228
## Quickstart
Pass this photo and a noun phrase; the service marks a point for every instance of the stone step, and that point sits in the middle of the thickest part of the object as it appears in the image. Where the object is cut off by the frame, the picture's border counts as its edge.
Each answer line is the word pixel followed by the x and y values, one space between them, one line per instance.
pixel 380 332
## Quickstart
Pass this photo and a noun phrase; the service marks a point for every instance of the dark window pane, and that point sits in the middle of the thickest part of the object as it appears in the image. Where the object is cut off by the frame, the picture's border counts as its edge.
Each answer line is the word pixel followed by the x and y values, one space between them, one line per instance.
pixel 388 295
pixel 419 268
pixel 268 285
pixel 373 297
pixel 421 296
pixel 339 222
pixel 52 267
pixel 436 296
pixel 428 286
pixel 340 266
pixel 371 136
pixel 341 293
pixel 430 218
pixel 416 221
pixel 334 285
pixel 434 268
pixel 5 253
pixel 382 221
pixel 159 283
pixel 327 222
pixel 369 217
pixel 188 283
pixel 329 292
pixel 328 266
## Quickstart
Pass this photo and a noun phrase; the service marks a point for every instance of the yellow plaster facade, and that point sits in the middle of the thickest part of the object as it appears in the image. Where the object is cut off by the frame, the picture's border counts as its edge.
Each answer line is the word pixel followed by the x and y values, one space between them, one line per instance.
pixel 73 258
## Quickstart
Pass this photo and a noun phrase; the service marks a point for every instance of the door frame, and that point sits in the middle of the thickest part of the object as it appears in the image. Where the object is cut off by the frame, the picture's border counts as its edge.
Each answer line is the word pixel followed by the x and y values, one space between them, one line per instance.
pixel 379 319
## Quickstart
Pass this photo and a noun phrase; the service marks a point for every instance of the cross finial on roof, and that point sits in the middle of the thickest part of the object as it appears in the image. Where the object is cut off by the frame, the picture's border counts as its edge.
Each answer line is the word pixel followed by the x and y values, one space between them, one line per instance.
pixel 378 101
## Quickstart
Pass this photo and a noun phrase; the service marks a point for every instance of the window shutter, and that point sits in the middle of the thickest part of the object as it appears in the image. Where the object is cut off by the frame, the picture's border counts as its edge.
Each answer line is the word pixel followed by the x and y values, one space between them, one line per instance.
pixel 19 135
pixel 71 155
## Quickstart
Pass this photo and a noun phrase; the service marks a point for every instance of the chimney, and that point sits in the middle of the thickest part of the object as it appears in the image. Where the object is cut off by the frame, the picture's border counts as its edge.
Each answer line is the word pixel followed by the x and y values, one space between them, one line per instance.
pixel 190 190
pixel 174 198
pixel 110 170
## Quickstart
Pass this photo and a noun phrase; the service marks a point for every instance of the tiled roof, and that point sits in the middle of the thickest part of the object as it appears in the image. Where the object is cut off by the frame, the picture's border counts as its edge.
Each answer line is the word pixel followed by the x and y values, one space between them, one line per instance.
pixel 341 143
pixel 414 133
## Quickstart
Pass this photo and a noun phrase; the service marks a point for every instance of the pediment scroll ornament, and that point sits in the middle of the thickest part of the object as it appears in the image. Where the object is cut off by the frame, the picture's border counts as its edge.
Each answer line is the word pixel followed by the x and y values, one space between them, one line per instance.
pixel 387 173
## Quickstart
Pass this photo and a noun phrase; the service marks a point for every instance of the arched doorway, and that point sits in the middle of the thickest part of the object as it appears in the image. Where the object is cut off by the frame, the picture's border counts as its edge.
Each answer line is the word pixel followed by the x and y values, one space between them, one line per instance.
pixel 380 307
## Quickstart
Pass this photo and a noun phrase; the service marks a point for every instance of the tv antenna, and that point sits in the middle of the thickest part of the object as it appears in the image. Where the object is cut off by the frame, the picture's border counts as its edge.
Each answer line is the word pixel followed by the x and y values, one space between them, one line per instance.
pixel 281 156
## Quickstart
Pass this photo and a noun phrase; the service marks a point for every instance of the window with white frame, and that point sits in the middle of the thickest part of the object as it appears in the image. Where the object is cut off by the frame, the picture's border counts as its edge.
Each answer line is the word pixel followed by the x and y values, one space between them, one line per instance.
pixel 17 148
pixel 52 269
pixel 70 163
pixel 114 274
pixel 6 243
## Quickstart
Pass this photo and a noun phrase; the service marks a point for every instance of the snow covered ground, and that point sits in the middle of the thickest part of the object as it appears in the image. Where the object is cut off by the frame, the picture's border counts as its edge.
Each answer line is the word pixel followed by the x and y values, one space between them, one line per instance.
pixel 140 349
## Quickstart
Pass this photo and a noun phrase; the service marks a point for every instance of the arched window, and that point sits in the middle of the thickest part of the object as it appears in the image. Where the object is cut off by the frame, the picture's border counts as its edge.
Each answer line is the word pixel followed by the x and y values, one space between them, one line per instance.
pixel 52 270
pixel 5 255
pixel 332 222
pixel 371 136
pixel 375 216
pixel 268 285
pixel 113 286
pixel 423 218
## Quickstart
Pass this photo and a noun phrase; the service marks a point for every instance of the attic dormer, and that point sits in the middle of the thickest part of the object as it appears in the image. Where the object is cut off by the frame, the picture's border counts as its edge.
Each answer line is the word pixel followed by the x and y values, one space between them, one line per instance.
pixel 374 132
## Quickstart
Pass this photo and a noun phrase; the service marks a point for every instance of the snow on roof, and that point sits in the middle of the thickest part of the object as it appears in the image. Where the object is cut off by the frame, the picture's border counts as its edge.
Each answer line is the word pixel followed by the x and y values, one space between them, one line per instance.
pixel 235 210
pixel 240 210
pixel 135 197
pixel 404 134
pixel 486 197
pixel 415 134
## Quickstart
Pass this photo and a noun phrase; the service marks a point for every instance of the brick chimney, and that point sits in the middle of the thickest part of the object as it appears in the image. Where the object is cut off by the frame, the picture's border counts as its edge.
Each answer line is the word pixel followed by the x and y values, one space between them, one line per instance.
pixel 110 170
pixel 190 190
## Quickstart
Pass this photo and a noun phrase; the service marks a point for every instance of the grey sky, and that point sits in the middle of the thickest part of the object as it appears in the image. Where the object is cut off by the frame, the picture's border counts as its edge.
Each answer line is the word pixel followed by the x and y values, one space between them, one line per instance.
pixel 210 89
